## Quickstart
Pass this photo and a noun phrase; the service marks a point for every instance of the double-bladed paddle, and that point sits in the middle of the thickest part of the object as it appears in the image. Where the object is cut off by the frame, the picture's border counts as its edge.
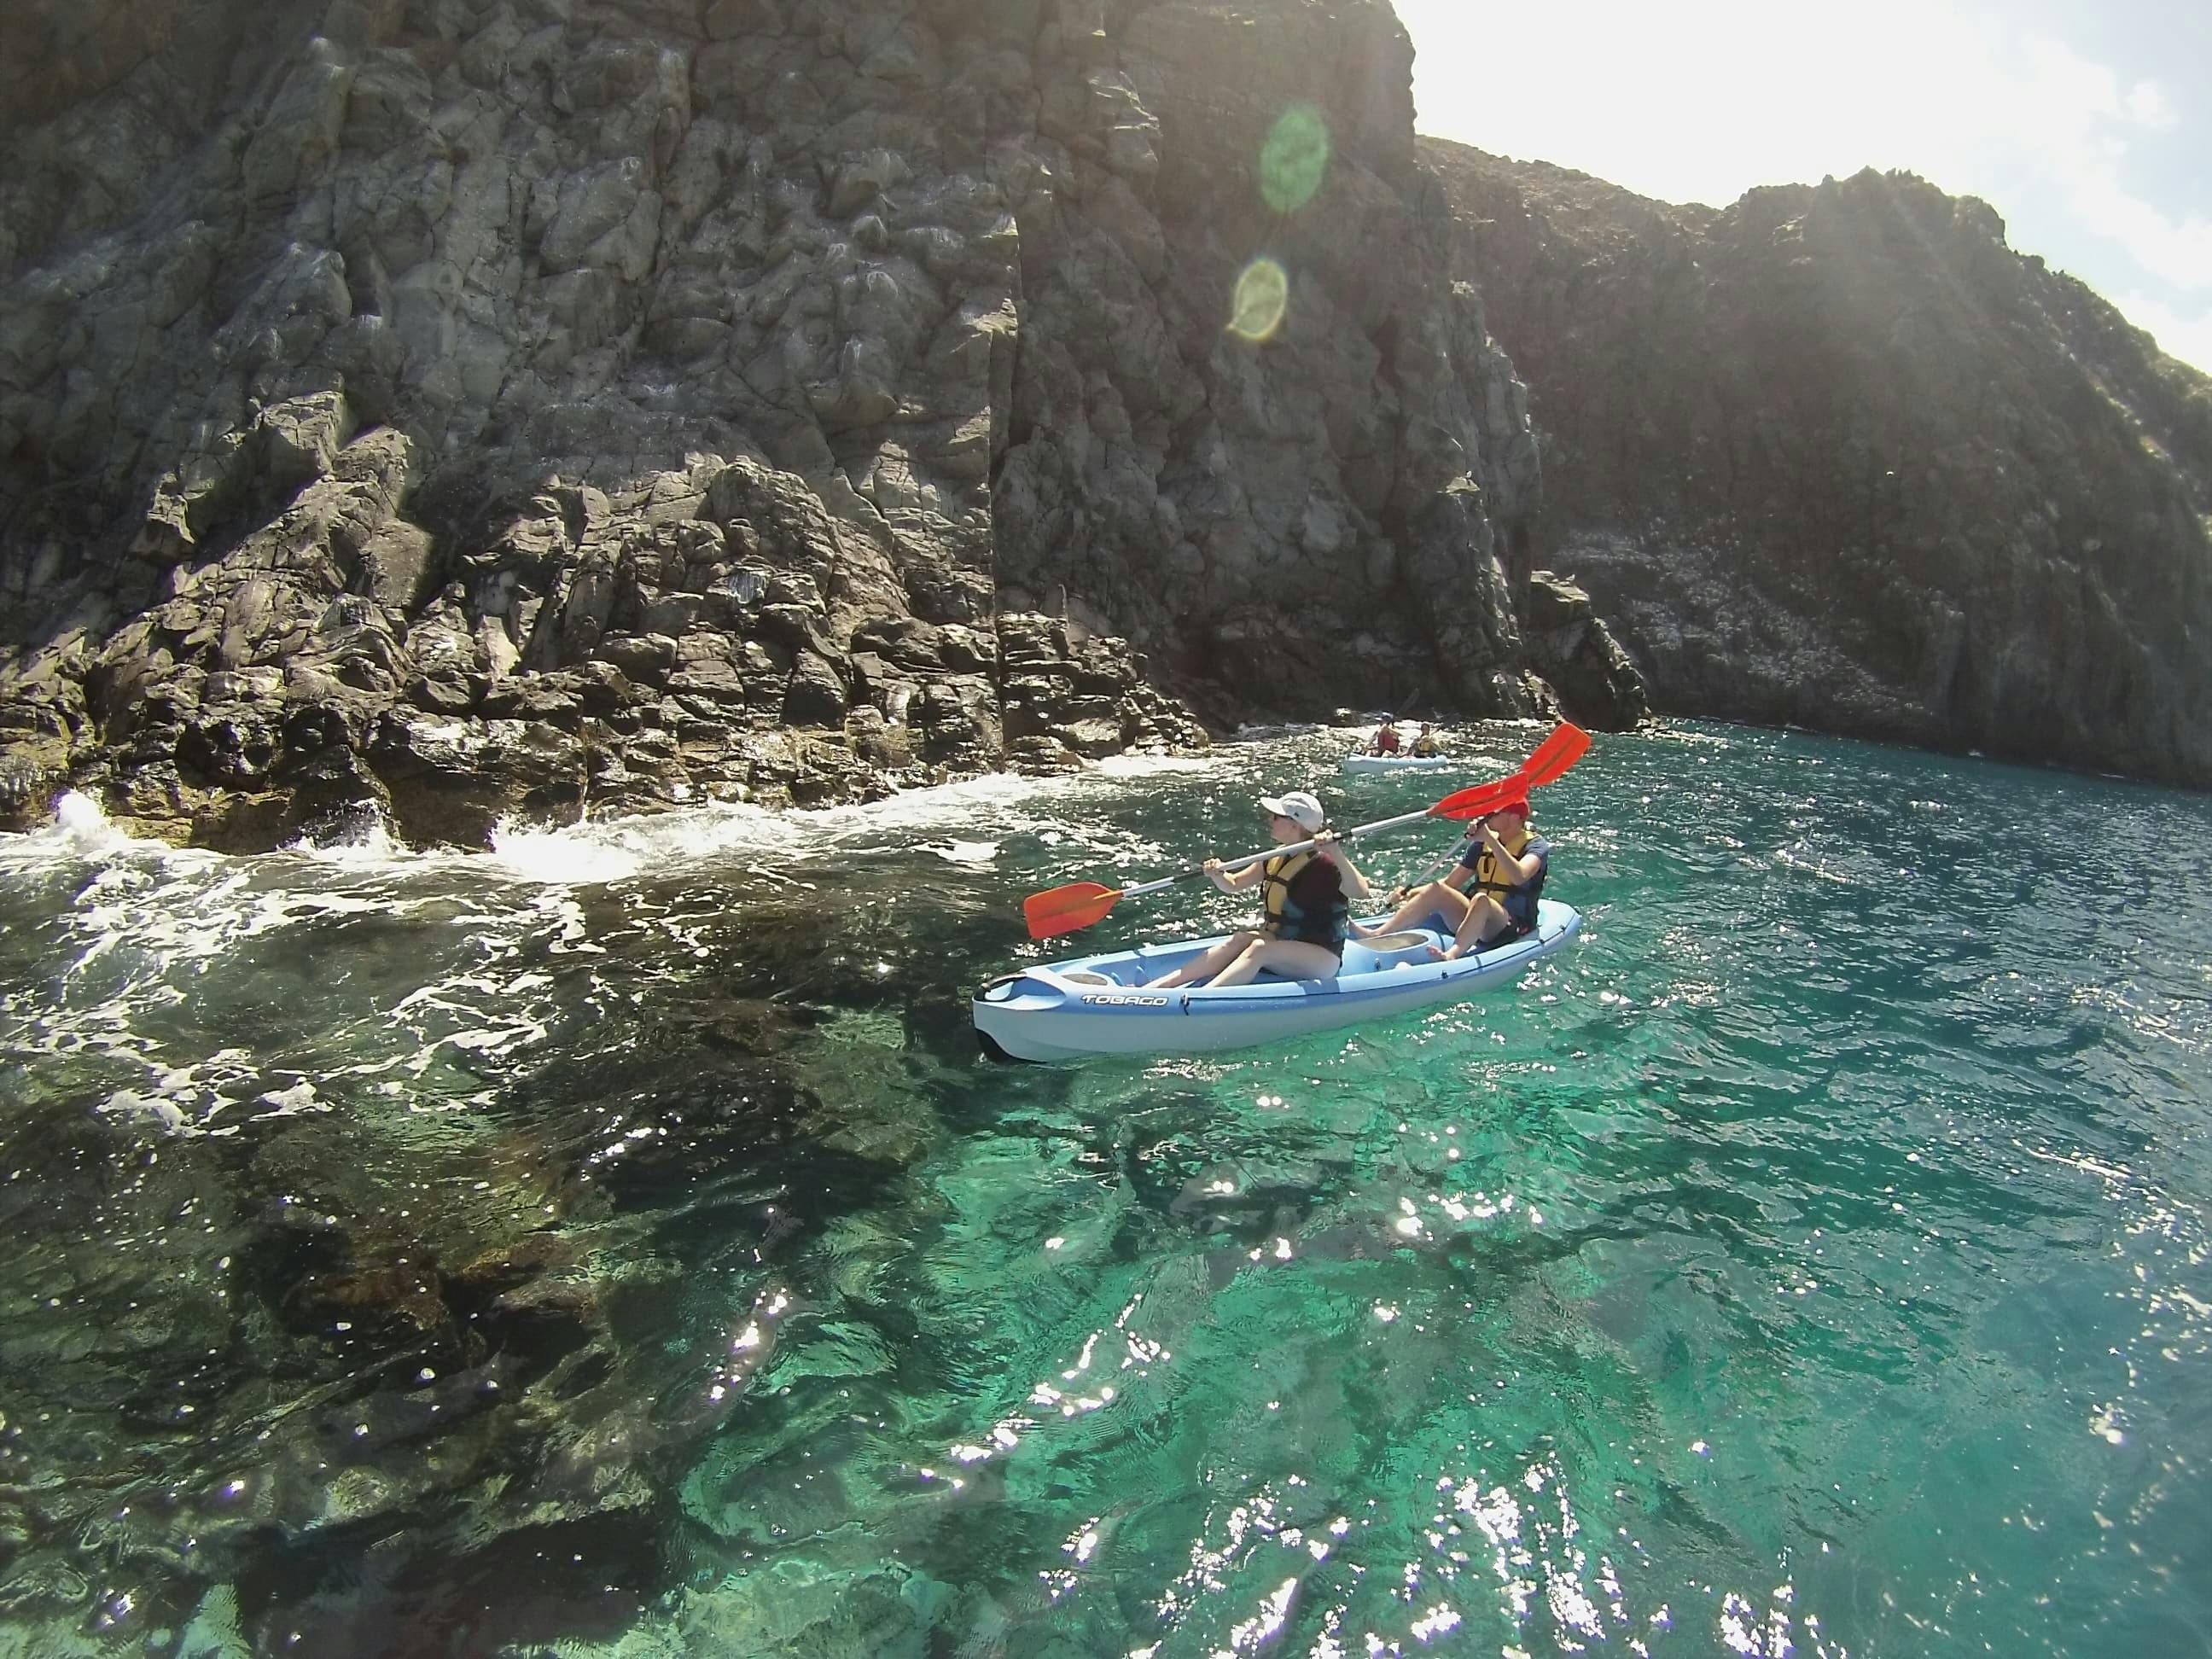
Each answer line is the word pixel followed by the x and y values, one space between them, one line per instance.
pixel 1551 759
pixel 1070 909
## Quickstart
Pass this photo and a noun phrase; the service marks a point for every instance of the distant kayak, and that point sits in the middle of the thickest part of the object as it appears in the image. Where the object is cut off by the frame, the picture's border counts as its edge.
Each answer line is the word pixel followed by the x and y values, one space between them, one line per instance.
pixel 1397 763
pixel 1096 1004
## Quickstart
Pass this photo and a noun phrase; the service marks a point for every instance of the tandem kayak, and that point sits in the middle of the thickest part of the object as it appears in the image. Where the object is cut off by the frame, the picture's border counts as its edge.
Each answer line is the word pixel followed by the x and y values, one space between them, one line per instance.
pixel 1097 1006
pixel 1397 763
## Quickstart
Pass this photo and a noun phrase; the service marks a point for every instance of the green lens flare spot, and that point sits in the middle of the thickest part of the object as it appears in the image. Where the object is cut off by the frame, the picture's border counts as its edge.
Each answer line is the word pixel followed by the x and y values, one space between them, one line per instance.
pixel 1294 159
pixel 1263 293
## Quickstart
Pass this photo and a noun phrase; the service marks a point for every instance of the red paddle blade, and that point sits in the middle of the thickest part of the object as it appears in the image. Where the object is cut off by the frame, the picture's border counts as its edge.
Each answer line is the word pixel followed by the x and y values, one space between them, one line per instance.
pixel 1476 801
pixel 1567 744
pixel 1068 910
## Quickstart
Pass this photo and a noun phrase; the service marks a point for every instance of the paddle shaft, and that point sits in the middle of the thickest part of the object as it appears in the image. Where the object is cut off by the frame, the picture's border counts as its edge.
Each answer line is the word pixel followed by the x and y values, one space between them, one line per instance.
pixel 1250 859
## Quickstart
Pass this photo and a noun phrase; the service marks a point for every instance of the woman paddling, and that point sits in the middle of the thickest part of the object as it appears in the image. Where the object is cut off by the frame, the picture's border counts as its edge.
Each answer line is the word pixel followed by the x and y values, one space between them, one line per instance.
pixel 1491 898
pixel 1308 911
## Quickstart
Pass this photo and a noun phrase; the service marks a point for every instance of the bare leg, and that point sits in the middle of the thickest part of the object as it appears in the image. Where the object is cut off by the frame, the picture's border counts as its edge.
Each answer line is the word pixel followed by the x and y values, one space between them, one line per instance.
pixel 1435 899
pixel 1206 966
pixel 1293 958
pixel 1485 916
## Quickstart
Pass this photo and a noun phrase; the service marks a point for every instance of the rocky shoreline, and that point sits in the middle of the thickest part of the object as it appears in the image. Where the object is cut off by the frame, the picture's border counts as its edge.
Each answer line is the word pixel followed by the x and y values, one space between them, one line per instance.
pixel 1835 456
pixel 468 408
pixel 461 410
pixel 664 648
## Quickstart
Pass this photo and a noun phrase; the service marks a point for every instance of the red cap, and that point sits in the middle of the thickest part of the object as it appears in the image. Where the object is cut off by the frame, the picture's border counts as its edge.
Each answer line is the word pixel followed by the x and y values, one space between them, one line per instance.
pixel 1518 804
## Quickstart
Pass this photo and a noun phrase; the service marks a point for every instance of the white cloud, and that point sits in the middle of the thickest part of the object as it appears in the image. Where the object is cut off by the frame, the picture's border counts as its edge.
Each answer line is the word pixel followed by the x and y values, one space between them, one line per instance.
pixel 1701 101
pixel 2146 104
pixel 2077 122
pixel 2177 251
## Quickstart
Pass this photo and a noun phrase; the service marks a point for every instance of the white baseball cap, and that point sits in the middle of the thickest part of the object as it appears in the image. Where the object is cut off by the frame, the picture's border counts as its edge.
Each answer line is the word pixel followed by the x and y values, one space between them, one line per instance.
pixel 1299 807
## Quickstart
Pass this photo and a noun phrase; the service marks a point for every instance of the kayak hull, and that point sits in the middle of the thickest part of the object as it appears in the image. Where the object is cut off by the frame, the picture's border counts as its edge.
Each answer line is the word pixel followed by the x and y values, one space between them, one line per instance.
pixel 1397 763
pixel 1075 1009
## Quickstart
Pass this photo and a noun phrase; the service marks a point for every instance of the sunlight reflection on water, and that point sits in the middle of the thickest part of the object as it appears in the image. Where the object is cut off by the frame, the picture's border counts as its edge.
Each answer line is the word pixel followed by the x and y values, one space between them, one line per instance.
pixel 1814 1260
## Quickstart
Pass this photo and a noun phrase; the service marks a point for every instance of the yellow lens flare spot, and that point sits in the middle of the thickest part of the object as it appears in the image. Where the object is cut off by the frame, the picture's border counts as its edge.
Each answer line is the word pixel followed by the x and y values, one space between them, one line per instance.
pixel 1263 295
pixel 1294 158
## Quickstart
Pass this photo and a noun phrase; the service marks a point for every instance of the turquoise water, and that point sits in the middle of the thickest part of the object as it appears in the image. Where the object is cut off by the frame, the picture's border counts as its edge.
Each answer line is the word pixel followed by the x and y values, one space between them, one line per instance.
pixel 613 1244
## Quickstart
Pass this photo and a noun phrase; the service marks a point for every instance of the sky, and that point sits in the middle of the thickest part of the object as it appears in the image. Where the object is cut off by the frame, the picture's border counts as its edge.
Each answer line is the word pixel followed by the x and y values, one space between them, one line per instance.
pixel 2088 129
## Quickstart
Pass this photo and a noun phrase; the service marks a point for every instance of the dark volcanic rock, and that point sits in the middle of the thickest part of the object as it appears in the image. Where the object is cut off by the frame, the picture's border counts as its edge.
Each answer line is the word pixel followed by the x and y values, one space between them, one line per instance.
pixel 1573 650
pixel 1836 457
pixel 458 408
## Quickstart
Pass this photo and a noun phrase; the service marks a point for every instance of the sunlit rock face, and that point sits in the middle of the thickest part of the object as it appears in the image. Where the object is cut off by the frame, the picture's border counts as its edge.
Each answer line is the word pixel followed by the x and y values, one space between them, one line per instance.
pixel 1836 457
pixel 459 407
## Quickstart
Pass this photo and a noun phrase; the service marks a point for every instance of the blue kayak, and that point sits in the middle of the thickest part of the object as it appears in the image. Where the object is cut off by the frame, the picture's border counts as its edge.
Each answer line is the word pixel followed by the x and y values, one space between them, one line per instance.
pixel 1097 1006
pixel 1397 763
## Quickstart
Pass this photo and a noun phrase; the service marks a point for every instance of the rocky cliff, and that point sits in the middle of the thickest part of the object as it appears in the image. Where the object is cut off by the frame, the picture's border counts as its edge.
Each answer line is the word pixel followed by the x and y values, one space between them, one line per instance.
pixel 1837 457
pixel 456 405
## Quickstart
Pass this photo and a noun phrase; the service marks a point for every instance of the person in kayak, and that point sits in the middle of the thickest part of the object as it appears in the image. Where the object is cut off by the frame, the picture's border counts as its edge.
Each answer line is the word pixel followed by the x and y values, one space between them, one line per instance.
pixel 1386 738
pixel 1308 909
pixel 1490 897
pixel 1425 745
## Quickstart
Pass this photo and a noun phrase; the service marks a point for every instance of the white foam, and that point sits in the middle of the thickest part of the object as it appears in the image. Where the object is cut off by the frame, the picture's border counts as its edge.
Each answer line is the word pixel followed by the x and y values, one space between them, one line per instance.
pixel 1002 803
pixel 365 843
pixel 146 932
pixel 612 850
pixel 79 818
pixel 563 858
pixel 80 830
pixel 967 852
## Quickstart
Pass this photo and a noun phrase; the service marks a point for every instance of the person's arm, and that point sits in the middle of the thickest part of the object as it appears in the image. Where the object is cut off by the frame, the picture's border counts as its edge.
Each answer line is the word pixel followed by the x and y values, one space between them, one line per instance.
pixel 1232 884
pixel 1524 868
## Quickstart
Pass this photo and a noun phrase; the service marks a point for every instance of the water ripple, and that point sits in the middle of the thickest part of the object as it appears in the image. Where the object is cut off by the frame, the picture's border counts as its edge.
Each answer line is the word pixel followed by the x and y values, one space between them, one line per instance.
pixel 612 1244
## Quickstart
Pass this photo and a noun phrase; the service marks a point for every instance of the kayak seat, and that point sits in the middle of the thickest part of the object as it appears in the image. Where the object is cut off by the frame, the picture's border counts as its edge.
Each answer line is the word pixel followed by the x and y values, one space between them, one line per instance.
pixel 1388 950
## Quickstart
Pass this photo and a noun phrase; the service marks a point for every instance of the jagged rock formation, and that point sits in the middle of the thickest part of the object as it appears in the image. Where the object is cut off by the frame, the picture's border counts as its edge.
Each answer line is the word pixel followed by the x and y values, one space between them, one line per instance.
pixel 1836 457
pixel 462 405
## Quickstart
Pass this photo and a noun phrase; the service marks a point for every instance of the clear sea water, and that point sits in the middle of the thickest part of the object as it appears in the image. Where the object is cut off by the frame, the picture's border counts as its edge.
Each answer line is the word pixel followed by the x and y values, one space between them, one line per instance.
pixel 613 1245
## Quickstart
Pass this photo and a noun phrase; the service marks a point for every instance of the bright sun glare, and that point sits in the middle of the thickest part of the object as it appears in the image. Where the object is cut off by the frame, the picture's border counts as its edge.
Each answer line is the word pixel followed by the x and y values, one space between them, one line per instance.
pixel 1701 104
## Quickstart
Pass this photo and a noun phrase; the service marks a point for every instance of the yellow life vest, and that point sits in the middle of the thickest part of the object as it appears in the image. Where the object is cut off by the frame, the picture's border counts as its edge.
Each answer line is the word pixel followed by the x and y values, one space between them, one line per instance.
pixel 1489 876
pixel 1277 875
pixel 1286 920
pixel 1517 898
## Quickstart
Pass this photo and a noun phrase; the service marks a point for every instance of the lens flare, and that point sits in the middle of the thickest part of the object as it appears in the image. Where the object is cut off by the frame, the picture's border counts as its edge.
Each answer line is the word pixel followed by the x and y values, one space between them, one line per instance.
pixel 1294 159
pixel 1263 293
